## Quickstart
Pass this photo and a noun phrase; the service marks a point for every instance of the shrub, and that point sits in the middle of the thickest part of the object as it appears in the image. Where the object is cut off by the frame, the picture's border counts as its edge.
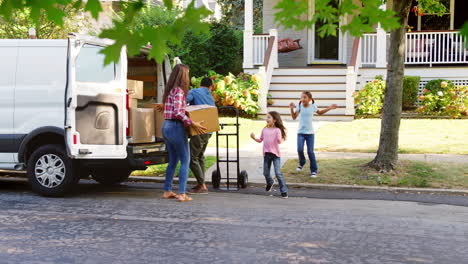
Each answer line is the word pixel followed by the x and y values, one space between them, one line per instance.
pixel 369 100
pixel 240 91
pixel 444 100
pixel 219 51
pixel 410 91
pixel 438 85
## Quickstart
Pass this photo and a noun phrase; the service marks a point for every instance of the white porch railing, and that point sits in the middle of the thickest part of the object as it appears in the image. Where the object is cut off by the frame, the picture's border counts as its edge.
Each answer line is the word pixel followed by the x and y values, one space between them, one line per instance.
pixel 435 47
pixel 260 45
pixel 369 48
pixel 447 47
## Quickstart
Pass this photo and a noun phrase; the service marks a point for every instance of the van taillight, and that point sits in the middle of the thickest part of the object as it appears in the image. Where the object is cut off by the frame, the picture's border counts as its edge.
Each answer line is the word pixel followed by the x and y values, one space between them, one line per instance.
pixel 75 139
pixel 127 106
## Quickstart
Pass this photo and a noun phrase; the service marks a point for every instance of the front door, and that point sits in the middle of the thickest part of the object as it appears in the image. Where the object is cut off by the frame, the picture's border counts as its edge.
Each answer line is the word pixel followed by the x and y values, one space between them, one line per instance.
pixel 324 49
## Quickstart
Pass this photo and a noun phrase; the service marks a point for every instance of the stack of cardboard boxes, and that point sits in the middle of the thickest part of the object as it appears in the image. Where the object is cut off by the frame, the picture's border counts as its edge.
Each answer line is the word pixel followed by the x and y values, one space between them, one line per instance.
pixel 141 119
pixel 146 123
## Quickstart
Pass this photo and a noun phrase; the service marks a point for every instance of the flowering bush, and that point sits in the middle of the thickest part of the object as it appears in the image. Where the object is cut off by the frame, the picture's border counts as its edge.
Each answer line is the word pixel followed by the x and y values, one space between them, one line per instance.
pixel 240 91
pixel 369 100
pixel 410 91
pixel 444 99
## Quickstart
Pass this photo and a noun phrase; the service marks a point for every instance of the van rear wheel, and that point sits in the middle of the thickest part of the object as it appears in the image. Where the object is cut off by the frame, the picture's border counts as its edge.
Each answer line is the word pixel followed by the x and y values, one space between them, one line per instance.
pixel 110 176
pixel 50 171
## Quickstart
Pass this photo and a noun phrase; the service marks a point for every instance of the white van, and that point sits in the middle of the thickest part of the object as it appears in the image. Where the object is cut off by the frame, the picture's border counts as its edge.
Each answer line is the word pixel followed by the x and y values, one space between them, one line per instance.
pixel 65 116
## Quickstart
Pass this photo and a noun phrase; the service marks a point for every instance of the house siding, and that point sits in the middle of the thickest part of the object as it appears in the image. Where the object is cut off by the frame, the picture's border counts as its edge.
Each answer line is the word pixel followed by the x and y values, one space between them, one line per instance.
pixel 300 58
pixel 290 59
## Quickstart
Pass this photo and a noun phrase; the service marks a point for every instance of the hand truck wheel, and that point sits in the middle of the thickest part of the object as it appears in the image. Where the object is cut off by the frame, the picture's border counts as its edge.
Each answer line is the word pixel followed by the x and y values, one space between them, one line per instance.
pixel 215 179
pixel 243 179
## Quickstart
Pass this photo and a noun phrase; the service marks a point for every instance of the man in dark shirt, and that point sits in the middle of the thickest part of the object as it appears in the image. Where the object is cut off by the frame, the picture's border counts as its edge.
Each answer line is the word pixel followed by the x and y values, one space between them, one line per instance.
pixel 198 143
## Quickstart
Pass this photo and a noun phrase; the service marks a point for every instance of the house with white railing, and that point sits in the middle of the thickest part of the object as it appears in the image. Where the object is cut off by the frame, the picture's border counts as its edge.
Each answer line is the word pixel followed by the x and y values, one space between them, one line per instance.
pixel 333 67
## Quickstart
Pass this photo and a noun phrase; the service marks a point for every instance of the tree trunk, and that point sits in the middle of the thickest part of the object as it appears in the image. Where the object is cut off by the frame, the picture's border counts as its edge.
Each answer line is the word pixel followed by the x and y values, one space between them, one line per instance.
pixel 387 154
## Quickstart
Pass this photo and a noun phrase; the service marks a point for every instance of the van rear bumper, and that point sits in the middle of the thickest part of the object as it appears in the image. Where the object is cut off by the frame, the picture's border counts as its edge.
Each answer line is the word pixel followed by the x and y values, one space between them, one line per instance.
pixel 140 161
pixel 139 157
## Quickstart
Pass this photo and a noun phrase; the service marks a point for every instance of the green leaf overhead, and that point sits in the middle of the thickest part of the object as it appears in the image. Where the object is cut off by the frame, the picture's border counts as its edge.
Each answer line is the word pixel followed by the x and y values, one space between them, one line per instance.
pixel 295 14
pixel 94 7
pixel 464 32
pixel 159 36
pixel 169 4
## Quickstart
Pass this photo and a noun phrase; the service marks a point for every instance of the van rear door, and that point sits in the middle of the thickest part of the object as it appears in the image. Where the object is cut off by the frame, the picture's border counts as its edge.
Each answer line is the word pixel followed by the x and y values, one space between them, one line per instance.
pixel 95 101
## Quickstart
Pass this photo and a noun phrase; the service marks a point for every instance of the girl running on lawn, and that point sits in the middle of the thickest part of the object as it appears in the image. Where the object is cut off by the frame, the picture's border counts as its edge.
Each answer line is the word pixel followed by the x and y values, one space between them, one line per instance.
pixel 273 135
pixel 305 110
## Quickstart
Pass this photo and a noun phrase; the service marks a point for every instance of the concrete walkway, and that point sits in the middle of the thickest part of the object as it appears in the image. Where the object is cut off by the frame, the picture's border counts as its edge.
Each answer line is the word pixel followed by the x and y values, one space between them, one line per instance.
pixel 251 157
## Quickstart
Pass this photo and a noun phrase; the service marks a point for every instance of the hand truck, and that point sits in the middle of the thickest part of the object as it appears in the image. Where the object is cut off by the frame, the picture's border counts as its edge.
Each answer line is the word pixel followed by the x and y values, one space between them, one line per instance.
pixel 242 177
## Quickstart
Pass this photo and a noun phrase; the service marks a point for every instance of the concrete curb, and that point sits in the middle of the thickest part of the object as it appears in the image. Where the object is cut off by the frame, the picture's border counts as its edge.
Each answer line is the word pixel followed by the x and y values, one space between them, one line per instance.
pixel 328 186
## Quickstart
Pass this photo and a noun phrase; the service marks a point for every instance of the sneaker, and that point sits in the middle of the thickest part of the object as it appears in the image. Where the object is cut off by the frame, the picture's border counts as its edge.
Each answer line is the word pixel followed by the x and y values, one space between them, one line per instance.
pixel 269 187
pixel 313 175
pixel 284 195
pixel 299 168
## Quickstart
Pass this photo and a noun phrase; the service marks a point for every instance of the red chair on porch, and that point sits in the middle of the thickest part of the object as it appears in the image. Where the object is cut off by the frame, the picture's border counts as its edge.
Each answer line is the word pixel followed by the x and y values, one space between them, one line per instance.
pixel 288 45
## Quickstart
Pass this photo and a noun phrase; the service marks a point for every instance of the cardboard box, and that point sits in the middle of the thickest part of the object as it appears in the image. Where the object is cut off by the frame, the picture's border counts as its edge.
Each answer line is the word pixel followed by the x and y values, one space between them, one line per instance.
pixel 135 89
pixel 132 103
pixel 206 113
pixel 142 125
pixel 158 119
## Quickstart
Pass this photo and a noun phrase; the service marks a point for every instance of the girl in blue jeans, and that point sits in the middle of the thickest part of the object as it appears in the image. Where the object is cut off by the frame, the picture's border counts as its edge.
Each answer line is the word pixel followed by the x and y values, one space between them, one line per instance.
pixel 305 110
pixel 174 133
pixel 273 135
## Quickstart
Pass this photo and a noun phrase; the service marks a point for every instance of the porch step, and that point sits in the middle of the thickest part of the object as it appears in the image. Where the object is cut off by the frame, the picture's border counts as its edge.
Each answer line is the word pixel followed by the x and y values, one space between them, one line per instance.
pixel 308 79
pixel 320 102
pixel 348 118
pixel 310 71
pixel 327 85
pixel 291 86
pixel 317 94
pixel 284 110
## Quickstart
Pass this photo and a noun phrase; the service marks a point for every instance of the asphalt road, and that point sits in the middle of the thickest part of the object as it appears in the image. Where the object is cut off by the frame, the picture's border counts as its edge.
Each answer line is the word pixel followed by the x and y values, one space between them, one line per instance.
pixel 131 224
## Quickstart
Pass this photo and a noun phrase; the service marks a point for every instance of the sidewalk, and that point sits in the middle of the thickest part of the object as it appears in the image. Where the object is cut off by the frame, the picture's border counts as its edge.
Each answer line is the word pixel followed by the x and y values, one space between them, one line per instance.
pixel 251 160
pixel 251 157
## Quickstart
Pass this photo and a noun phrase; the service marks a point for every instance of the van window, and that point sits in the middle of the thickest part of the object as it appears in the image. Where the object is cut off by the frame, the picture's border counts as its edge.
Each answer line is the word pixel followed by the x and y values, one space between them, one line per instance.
pixel 90 66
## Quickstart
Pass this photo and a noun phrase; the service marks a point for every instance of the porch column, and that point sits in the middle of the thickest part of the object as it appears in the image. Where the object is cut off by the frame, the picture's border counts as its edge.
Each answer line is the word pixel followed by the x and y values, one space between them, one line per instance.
pixel 248 34
pixel 381 45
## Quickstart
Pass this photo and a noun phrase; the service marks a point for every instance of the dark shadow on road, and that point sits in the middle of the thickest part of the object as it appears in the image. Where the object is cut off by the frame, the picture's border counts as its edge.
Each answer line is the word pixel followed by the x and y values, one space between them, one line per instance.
pixel 89 188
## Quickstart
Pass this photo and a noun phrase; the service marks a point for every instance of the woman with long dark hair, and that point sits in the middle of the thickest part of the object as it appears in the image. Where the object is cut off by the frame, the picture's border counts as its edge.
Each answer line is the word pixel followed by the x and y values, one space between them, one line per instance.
pixel 174 131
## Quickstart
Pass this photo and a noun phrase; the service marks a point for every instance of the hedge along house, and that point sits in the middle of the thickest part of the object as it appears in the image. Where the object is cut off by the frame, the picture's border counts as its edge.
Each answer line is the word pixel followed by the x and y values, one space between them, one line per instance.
pixel 332 68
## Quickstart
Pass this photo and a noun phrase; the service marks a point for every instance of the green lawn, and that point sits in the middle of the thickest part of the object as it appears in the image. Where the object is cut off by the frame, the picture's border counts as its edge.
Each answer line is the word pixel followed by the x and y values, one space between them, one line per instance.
pixel 160 170
pixel 416 136
pixel 247 126
pixel 408 174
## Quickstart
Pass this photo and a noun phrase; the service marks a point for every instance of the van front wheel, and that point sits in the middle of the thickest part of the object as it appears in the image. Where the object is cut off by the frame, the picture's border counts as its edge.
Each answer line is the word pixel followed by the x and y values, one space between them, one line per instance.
pixel 110 176
pixel 51 172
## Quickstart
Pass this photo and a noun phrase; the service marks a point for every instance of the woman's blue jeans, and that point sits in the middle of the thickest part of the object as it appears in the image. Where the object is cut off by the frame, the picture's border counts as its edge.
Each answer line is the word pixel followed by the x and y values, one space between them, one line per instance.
pixel 309 140
pixel 177 145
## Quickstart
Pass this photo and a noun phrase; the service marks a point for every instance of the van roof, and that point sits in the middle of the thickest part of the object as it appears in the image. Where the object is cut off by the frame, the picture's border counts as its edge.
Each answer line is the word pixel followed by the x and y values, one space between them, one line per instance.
pixel 33 43
pixel 46 43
